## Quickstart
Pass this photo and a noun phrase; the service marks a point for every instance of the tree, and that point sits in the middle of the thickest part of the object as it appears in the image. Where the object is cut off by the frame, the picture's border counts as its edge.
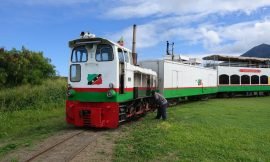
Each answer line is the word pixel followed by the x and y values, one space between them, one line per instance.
pixel 24 66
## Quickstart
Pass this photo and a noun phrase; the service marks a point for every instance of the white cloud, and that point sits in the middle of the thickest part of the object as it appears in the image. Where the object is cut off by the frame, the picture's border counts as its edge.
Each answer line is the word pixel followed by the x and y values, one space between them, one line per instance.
pixel 181 7
pixel 243 36
pixel 231 39
pixel 51 2
pixel 179 20
pixel 211 38
pixel 160 30
pixel 175 20
pixel 138 10
pixel 147 36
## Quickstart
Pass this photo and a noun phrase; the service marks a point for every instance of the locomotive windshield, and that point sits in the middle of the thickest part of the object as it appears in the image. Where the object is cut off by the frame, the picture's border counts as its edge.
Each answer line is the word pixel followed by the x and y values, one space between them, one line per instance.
pixel 126 56
pixel 79 54
pixel 104 52
pixel 123 56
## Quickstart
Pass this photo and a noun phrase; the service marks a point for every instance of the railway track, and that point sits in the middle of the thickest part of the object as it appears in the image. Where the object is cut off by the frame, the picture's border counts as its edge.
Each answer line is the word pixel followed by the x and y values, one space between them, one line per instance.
pixel 68 148
pixel 72 156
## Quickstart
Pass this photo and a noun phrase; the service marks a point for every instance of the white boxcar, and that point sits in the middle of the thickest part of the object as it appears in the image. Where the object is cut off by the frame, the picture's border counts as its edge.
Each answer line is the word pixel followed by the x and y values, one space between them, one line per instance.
pixel 176 79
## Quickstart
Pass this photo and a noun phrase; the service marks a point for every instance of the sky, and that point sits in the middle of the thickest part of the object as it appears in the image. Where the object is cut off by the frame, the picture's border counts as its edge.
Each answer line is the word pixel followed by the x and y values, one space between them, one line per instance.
pixel 198 28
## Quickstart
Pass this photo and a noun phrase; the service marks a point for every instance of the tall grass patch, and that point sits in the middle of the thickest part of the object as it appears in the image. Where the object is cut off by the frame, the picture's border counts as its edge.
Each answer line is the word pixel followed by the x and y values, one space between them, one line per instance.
pixel 29 113
pixel 33 96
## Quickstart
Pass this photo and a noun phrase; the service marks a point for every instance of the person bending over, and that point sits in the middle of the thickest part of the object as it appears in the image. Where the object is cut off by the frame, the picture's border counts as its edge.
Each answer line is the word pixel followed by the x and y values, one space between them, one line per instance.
pixel 162 104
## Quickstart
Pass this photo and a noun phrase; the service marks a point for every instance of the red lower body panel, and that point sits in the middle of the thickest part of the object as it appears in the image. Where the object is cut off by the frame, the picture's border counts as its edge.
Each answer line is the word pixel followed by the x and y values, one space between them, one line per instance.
pixel 91 114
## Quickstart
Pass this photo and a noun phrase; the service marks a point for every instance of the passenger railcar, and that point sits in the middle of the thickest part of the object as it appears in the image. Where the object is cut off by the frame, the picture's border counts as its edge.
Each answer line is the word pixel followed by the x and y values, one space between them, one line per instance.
pixel 243 79
pixel 242 75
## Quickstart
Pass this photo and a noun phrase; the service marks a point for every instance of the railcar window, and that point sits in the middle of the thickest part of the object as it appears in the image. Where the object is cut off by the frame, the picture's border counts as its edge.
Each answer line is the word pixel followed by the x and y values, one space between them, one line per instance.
pixel 120 55
pixel 235 79
pixel 255 79
pixel 75 73
pixel 245 79
pixel 104 52
pixel 223 79
pixel 264 79
pixel 126 56
pixel 79 54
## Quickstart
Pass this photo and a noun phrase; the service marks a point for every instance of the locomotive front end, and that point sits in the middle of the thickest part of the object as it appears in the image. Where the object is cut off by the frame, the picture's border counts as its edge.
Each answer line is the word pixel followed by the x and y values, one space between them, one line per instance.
pixel 92 83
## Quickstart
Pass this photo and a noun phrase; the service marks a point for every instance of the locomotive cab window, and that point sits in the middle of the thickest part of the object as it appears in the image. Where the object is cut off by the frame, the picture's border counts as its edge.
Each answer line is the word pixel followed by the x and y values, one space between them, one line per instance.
pixel 75 73
pixel 126 57
pixel 120 55
pixel 79 54
pixel 104 52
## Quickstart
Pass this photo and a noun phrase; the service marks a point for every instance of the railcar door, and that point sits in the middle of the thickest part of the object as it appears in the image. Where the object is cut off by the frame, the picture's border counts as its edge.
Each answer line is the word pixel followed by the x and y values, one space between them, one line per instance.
pixel 121 71
pixel 149 82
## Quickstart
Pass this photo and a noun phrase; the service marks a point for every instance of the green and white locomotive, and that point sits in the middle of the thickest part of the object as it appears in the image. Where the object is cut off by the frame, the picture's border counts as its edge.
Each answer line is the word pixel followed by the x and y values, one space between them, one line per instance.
pixel 105 87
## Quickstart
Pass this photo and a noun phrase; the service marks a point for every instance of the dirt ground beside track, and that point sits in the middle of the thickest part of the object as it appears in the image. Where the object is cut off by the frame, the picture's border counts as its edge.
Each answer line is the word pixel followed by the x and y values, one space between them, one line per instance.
pixel 82 145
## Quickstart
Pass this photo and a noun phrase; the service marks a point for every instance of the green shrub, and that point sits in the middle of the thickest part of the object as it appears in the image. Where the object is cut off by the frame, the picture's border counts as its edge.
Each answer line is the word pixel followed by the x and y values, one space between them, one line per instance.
pixel 23 66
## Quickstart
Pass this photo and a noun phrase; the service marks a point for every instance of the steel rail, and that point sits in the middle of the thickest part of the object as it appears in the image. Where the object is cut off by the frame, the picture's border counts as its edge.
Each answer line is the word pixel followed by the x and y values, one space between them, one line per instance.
pixel 82 148
pixel 53 146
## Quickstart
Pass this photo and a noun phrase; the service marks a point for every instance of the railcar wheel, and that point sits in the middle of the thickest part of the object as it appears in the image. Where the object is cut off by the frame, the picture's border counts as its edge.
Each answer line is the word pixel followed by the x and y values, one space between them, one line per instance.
pixel 204 97
pixel 231 95
pixel 194 98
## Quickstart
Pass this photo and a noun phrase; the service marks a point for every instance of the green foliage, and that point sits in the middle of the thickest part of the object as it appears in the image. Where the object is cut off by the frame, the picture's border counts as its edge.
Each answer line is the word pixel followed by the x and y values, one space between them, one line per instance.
pixel 31 112
pixel 21 129
pixel 24 66
pixel 33 96
pixel 216 130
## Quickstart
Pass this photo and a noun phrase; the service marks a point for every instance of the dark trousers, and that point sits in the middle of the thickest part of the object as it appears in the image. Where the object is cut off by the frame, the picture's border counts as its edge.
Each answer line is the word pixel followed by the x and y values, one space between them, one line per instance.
pixel 161 112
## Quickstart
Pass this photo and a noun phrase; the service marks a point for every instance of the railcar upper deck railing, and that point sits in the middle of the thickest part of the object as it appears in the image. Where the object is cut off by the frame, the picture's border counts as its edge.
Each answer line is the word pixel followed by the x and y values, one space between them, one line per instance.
pixel 236 61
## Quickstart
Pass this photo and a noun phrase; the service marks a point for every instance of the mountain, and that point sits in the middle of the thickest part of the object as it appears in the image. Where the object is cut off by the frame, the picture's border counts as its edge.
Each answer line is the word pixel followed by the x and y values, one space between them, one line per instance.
pixel 262 51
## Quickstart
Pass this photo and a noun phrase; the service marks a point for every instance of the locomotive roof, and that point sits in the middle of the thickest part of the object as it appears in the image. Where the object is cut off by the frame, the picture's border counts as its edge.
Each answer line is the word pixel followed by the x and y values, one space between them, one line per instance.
pixel 143 70
pixel 236 58
pixel 83 41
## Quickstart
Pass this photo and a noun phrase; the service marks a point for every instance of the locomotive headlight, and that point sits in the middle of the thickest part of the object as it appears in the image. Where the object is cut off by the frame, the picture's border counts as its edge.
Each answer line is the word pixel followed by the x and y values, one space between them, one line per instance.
pixel 70 93
pixel 111 93
pixel 111 85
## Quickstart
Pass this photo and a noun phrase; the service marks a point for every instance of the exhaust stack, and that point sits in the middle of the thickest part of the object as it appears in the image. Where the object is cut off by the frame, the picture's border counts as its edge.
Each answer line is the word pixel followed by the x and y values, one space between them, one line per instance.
pixel 167 49
pixel 134 54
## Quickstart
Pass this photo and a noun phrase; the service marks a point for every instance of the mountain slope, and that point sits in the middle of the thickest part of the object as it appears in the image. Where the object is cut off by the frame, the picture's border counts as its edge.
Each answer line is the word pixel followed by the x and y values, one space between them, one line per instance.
pixel 262 51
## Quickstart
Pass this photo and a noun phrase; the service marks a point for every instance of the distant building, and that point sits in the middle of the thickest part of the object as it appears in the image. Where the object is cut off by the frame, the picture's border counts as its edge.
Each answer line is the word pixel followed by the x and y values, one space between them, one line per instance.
pixel 184 59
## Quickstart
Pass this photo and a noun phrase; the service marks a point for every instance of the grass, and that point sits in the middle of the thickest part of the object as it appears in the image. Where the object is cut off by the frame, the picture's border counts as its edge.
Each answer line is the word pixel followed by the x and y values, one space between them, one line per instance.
pixel 235 129
pixel 33 97
pixel 30 113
